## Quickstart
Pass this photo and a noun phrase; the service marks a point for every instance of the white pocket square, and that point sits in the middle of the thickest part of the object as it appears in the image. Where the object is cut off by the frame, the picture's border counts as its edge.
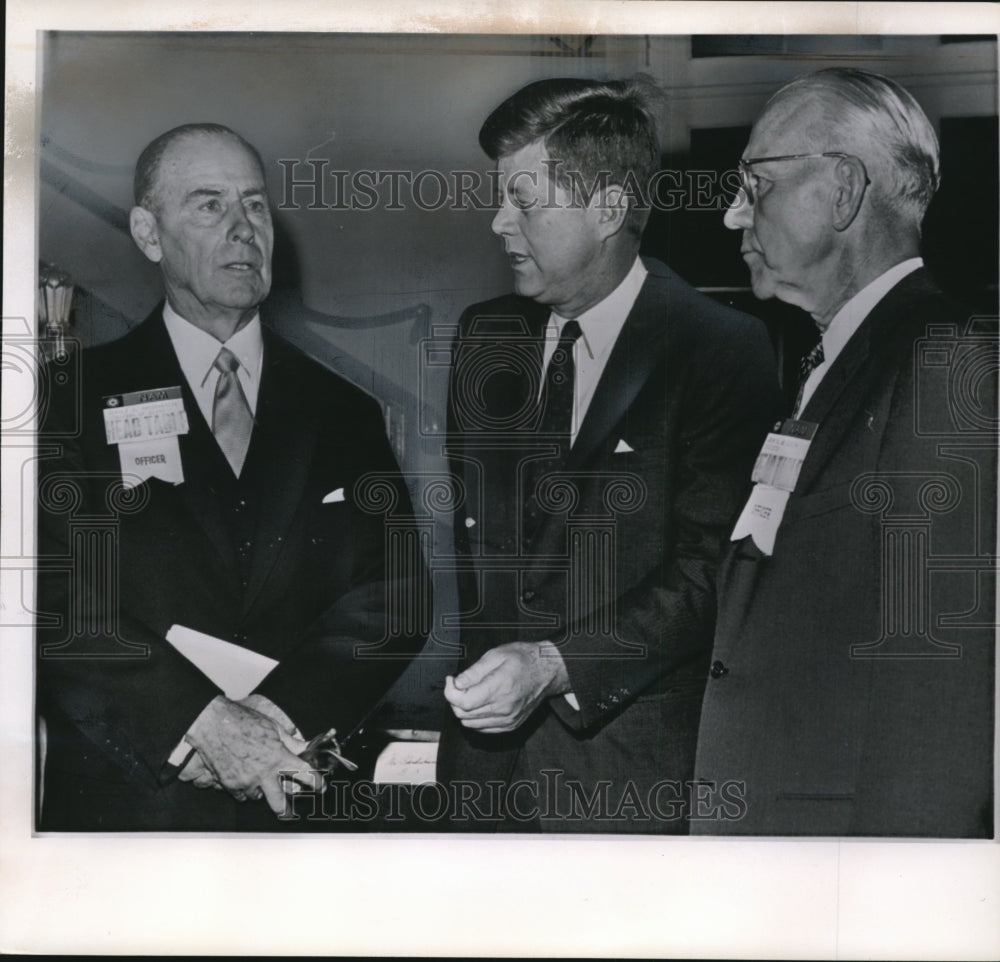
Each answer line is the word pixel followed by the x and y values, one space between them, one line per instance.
pixel 623 448
pixel 337 495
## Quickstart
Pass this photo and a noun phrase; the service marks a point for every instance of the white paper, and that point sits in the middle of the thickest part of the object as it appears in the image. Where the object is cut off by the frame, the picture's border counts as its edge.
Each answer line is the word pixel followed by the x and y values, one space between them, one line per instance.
pixel 761 517
pixel 151 459
pixel 236 670
pixel 406 763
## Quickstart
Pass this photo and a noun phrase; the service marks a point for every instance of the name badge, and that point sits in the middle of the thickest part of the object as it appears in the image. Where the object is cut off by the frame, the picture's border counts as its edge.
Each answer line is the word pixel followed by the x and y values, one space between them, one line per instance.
pixel 145 426
pixel 774 475
pixel 144 416
pixel 780 459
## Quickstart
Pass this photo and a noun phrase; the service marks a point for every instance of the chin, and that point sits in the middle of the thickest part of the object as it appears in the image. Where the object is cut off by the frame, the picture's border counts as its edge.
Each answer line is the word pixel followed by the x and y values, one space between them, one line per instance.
pixel 247 298
pixel 762 289
pixel 525 289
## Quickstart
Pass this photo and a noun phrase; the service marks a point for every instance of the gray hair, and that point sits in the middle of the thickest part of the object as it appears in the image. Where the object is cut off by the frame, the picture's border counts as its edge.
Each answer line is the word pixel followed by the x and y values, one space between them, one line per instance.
pixel 888 130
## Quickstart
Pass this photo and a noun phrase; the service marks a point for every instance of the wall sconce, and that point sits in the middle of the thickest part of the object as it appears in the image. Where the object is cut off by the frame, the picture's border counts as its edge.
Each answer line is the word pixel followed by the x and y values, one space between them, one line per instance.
pixel 55 301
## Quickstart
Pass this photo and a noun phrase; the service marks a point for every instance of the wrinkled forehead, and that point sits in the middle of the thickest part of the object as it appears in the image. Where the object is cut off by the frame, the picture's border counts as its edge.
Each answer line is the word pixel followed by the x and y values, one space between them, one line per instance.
pixel 792 123
pixel 214 156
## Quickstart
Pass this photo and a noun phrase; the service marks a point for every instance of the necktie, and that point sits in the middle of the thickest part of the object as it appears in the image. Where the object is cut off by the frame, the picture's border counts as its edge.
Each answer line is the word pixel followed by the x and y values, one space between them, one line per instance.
pixel 232 421
pixel 560 383
pixel 809 363
pixel 557 412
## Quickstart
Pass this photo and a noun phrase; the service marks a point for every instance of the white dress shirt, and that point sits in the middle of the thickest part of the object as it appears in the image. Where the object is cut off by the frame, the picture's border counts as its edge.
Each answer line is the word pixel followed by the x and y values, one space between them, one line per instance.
pixel 197 350
pixel 601 325
pixel 848 319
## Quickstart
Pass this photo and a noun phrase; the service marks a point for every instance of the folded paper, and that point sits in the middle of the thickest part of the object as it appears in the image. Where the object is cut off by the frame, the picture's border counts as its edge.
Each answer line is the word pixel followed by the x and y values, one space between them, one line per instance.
pixel 235 669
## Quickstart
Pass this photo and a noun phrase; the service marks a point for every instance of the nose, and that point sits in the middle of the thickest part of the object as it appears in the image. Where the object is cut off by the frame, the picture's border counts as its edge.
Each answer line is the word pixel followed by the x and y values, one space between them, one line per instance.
pixel 739 214
pixel 503 222
pixel 240 227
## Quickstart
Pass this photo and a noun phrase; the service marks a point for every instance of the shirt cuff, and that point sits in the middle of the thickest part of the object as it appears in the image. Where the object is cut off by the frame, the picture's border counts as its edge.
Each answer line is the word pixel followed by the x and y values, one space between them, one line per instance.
pixel 183 751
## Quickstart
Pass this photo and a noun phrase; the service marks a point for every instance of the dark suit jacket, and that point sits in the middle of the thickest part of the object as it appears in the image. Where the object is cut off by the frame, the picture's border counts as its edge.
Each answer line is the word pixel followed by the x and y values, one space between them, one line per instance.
pixel 616 564
pixel 854 693
pixel 261 562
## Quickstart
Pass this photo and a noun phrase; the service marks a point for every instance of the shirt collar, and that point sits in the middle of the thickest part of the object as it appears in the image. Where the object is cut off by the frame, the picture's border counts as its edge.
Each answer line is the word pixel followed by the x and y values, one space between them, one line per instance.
pixel 197 350
pixel 848 319
pixel 602 322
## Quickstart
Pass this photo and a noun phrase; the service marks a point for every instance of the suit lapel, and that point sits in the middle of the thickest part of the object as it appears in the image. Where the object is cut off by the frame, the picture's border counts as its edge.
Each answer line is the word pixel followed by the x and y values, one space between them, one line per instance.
pixel 636 353
pixel 841 393
pixel 205 467
pixel 279 458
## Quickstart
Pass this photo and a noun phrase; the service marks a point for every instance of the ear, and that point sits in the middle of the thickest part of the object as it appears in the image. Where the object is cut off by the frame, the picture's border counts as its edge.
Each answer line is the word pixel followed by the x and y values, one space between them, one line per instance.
pixel 852 181
pixel 146 233
pixel 610 206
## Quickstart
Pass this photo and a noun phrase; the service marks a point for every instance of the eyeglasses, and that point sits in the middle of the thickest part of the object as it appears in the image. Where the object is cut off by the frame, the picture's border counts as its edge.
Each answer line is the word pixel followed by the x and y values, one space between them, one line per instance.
pixel 745 166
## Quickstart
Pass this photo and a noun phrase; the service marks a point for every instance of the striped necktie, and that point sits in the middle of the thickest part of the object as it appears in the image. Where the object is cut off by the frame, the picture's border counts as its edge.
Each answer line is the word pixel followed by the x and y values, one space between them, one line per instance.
pixel 809 363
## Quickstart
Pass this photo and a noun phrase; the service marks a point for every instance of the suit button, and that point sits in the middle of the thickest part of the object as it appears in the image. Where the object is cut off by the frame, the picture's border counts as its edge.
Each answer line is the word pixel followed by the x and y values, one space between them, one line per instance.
pixel 718 669
pixel 527 594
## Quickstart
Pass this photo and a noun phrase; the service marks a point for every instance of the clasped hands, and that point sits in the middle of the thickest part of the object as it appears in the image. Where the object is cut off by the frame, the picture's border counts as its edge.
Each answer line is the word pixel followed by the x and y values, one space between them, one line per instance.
pixel 247 748
pixel 500 691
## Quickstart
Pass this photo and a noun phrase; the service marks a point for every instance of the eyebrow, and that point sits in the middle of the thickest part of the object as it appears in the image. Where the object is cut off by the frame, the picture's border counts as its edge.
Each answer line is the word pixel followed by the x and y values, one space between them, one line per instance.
pixel 217 192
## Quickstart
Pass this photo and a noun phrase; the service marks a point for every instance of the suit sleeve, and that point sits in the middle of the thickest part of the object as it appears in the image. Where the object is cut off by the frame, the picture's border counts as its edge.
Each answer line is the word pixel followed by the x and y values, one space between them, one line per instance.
pixel 360 645
pixel 730 397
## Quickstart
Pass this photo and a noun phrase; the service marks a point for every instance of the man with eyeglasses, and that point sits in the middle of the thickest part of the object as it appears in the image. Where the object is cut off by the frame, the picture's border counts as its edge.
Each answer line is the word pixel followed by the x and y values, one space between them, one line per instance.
pixel 850 692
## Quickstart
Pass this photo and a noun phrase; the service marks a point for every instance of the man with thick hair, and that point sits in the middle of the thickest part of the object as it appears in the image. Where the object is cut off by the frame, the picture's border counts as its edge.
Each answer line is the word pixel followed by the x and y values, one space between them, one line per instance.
pixel 851 690
pixel 208 478
pixel 601 422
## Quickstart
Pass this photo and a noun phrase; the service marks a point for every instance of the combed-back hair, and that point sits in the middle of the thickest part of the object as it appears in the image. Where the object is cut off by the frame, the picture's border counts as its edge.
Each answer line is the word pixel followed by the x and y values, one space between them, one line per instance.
pixel 597 131
pixel 882 123
pixel 148 165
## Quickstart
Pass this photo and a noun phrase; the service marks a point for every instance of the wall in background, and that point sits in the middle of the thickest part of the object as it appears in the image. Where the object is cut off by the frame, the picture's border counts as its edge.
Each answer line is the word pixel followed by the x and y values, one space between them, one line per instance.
pixel 410 103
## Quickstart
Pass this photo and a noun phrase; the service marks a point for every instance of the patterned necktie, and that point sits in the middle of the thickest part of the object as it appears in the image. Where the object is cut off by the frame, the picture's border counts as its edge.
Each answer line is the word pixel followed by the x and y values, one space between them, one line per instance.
pixel 560 384
pixel 809 363
pixel 232 421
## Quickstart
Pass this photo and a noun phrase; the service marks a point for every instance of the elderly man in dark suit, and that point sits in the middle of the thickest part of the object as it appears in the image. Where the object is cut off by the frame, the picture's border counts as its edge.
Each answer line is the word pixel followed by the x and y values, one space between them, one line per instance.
pixel 209 476
pixel 851 687
pixel 602 421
